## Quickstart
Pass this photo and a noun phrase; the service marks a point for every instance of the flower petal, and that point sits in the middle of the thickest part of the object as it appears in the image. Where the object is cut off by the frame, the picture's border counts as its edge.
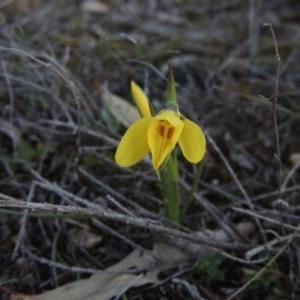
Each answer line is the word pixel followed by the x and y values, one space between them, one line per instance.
pixel 170 116
pixel 192 141
pixel 134 145
pixel 162 138
pixel 141 100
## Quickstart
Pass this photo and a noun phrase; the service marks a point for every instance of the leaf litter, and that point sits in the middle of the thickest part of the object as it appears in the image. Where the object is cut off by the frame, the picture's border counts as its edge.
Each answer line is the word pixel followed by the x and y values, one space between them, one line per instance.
pixel 147 267
pixel 224 61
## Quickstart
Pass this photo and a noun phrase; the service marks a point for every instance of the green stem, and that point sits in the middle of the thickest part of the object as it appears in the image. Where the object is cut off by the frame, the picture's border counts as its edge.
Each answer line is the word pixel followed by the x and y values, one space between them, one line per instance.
pixel 169 173
pixel 170 183
pixel 193 189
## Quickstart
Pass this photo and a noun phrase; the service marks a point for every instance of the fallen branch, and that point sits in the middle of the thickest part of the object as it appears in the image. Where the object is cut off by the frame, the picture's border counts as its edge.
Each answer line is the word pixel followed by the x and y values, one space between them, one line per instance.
pixel 7 201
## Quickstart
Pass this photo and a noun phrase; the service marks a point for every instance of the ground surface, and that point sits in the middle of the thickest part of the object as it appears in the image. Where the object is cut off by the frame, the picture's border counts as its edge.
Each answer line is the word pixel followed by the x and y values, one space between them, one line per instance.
pixel 57 57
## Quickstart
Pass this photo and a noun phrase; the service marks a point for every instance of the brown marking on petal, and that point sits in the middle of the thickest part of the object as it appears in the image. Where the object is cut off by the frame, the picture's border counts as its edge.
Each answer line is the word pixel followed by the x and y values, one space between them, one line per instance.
pixel 161 129
pixel 165 129
pixel 170 132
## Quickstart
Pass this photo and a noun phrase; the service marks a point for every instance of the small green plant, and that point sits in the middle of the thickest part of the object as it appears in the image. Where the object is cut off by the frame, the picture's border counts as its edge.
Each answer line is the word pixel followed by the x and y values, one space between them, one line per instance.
pixel 210 264
pixel 32 153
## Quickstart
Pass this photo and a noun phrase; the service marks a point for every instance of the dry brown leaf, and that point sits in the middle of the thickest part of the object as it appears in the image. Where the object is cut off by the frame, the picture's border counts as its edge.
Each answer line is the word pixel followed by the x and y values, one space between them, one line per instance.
pixel 122 110
pixel 103 286
pixel 295 158
pixel 85 238
pixel 92 6
pixel 10 130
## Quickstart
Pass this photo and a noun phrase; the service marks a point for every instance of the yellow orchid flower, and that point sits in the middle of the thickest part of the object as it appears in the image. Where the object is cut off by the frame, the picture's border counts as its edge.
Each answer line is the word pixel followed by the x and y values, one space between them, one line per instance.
pixel 159 135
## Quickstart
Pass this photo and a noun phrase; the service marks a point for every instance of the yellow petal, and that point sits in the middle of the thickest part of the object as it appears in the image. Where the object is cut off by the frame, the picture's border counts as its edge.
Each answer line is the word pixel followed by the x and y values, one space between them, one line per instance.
pixel 162 137
pixel 169 116
pixel 134 145
pixel 141 100
pixel 192 141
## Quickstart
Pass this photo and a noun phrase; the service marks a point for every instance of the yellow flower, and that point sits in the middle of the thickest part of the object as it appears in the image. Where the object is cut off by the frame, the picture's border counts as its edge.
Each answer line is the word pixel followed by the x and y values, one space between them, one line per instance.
pixel 159 135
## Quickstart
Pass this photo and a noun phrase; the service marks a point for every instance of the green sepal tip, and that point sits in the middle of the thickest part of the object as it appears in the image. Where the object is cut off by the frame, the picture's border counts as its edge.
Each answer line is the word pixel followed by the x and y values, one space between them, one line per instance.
pixel 172 96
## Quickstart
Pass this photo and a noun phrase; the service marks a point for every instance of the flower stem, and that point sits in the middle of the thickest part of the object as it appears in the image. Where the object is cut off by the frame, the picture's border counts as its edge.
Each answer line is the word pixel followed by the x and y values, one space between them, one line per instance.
pixel 170 182
pixel 169 174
